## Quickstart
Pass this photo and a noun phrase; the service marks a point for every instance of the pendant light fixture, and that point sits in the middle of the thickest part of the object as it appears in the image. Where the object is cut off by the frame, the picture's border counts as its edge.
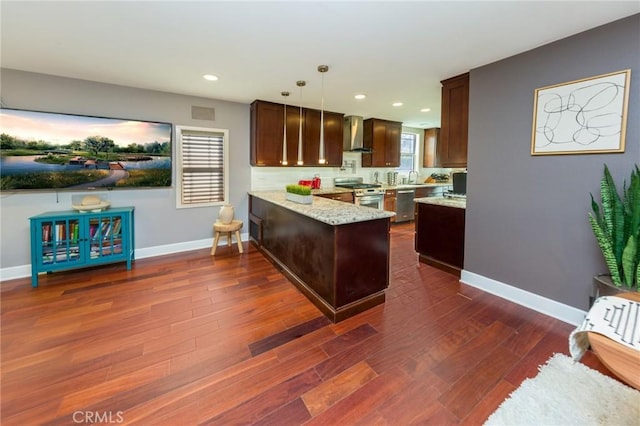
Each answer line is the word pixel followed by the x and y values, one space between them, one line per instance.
pixel 284 137
pixel 321 160
pixel 300 84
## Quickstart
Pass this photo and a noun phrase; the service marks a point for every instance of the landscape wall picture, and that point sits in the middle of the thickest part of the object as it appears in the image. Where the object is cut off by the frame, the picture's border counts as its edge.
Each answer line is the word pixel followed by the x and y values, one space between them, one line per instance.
pixel 52 151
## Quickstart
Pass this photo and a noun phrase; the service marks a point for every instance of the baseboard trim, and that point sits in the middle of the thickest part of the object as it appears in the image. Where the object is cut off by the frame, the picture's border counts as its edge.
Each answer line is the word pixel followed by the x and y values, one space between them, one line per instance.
pixel 549 307
pixel 23 271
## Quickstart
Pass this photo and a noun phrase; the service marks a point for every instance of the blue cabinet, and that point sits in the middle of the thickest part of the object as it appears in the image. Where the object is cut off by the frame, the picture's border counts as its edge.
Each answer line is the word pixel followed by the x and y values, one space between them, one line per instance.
pixel 71 239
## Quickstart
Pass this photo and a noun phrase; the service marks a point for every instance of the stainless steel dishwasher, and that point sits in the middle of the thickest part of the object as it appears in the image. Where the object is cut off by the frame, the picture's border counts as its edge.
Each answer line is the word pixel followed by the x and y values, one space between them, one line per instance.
pixel 404 205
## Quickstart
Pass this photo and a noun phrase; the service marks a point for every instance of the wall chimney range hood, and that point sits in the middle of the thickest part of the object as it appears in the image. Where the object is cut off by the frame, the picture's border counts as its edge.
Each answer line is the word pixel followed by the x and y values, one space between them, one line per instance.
pixel 353 134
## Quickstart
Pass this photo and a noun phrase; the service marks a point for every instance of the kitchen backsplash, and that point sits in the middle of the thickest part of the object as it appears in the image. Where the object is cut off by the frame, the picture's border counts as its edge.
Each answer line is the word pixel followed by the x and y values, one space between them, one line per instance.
pixel 269 178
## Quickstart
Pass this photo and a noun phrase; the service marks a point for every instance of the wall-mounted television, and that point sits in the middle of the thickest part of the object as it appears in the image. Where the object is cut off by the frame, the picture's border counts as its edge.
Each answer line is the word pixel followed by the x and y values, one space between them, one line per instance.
pixel 55 151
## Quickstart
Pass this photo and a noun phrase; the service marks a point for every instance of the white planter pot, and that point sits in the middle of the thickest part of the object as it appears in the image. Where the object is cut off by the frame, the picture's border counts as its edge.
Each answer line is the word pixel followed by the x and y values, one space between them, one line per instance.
pixel 226 214
pixel 301 199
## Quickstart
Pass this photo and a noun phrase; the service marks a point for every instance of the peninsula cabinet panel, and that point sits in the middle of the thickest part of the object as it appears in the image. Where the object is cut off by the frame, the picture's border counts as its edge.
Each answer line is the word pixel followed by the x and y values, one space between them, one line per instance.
pixel 267 131
pixel 439 237
pixel 452 149
pixel 319 258
pixel 382 137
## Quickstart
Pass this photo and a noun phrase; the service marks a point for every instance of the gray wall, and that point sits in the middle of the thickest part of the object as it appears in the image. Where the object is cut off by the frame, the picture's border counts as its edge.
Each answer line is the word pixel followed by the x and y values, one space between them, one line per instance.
pixel 158 221
pixel 527 220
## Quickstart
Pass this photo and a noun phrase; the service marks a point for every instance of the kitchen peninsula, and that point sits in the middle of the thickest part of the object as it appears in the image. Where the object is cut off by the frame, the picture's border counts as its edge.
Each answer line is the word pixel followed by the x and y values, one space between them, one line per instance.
pixel 439 237
pixel 336 253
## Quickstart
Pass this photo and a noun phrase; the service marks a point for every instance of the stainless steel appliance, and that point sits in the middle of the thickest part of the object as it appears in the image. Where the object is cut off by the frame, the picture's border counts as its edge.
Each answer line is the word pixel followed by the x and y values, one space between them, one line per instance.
pixel 459 180
pixel 404 205
pixel 364 194
pixel 353 134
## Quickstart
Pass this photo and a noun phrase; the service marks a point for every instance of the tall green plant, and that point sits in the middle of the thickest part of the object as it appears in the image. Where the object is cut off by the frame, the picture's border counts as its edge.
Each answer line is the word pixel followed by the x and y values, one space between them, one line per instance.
pixel 617 227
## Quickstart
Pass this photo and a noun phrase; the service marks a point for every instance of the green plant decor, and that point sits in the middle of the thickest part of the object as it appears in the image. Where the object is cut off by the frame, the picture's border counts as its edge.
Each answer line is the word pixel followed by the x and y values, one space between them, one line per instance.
pixel 298 189
pixel 617 228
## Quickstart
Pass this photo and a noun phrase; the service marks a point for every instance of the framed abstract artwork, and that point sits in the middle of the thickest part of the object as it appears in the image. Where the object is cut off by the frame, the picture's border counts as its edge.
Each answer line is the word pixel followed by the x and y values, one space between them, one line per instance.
pixel 584 116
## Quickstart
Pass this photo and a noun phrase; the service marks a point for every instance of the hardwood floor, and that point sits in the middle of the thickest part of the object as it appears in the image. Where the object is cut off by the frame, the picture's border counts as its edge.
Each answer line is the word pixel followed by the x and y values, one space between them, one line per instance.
pixel 194 339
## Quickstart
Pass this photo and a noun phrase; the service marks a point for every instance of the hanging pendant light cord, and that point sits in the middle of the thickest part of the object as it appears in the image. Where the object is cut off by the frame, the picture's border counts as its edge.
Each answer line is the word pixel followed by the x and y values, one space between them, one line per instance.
pixel 321 160
pixel 284 137
pixel 300 84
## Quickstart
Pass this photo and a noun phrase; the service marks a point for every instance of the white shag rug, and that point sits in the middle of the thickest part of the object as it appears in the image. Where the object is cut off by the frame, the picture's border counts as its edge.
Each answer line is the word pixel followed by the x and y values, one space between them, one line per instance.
pixel 569 393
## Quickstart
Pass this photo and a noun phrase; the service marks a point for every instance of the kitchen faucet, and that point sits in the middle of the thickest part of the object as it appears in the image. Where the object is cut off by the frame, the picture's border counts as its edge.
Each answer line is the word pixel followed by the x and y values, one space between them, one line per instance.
pixel 409 177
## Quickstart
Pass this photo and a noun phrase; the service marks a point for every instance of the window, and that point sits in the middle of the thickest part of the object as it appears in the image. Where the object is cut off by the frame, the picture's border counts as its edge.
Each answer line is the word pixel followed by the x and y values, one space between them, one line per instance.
pixel 408 144
pixel 201 172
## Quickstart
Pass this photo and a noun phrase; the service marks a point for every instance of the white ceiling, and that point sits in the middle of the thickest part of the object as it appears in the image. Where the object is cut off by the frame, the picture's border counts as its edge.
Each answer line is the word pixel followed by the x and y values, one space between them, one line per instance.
pixel 392 51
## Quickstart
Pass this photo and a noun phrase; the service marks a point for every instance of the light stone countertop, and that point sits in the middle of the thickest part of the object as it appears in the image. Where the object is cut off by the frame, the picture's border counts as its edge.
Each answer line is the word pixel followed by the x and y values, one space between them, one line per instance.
pixel 443 201
pixel 325 210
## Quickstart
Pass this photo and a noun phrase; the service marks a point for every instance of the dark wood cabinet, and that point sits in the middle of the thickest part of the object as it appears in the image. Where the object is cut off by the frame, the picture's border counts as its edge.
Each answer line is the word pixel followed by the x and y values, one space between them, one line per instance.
pixel 267 131
pixel 319 258
pixel 390 200
pixel 452 147
pixel 333 131
pixel 430 146
pixel 439 238
pixel 382 137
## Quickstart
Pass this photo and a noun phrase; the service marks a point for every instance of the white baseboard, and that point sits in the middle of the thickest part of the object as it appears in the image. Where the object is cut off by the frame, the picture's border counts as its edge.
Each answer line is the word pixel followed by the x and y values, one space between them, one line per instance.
pixel 22 271
pixel 549 307
pixel 14 272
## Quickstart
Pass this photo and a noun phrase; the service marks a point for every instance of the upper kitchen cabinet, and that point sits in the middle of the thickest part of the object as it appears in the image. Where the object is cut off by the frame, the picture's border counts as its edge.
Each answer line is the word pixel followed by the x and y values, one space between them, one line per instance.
pixel 267 131
pixel 452 147
pixel 333 131
pixel 382 137
pixel 429 147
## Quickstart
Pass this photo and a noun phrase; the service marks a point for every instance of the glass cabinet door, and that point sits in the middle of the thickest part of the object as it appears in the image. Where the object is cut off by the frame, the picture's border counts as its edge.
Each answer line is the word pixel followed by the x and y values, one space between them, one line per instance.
pixel 60 241
pixel 105 236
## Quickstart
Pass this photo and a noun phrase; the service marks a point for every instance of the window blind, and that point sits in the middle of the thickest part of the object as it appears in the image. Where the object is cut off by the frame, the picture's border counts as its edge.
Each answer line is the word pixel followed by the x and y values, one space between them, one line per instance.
pixel 202 167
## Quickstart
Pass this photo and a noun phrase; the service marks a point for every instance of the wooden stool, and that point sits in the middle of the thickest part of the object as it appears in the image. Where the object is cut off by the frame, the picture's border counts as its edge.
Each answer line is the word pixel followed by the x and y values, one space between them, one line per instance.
pixel 221 228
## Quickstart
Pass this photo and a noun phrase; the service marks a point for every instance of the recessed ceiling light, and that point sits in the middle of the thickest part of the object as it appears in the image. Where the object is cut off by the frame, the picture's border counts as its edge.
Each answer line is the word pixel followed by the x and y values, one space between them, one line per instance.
pixel 210 77
pixel 397 104
pixel 360 96
pixel 425 110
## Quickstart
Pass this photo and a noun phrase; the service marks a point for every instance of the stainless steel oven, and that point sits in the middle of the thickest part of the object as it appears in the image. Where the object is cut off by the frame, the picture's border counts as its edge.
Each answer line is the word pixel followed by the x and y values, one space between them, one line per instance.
pixel 364 194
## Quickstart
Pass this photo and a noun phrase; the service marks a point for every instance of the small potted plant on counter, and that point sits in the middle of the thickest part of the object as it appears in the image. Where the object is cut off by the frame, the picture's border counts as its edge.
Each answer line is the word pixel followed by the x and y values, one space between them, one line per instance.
pixel 617 229
pixel 299 194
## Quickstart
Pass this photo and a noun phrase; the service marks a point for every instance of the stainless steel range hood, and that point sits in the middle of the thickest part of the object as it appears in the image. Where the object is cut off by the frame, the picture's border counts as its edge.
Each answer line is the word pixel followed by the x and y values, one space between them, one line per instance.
pixel 353 134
